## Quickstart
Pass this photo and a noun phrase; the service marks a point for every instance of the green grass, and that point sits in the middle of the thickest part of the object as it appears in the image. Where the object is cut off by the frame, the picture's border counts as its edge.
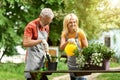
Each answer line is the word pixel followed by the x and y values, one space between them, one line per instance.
pixel 11 71
pixel 110 76
pixel 113 64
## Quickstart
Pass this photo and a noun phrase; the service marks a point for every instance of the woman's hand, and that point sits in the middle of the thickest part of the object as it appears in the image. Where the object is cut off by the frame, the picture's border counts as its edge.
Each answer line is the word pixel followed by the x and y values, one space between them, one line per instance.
pixel 72 41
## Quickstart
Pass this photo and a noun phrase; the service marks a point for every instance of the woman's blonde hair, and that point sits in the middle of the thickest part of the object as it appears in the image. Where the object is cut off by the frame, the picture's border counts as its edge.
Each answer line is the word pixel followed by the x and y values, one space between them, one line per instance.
pixel 67 20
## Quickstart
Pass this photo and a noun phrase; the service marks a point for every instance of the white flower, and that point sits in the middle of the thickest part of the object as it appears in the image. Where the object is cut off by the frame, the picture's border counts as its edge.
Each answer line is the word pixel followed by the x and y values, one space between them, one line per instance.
pixel 80 60
pixel 96 59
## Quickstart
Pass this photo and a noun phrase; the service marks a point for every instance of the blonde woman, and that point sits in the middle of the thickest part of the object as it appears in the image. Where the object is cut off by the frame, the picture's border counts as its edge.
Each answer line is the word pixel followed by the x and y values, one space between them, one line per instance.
pixel 73 34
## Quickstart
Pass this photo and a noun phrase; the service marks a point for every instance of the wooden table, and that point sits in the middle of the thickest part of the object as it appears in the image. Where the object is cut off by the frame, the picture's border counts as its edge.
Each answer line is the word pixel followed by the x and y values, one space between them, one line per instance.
pixel 77 72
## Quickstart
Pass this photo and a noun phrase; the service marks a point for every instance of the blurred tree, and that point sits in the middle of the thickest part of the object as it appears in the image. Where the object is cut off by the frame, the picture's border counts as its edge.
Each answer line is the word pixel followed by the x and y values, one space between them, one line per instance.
pixel 56 26
pixel 10 25
pixel 110 14
pixel 87 14
pixel 95 16
pixel 15 14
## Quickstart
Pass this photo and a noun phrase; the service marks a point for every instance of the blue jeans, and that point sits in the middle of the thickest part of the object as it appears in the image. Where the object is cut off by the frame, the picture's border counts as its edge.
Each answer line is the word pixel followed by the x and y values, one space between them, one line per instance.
pixel 77 78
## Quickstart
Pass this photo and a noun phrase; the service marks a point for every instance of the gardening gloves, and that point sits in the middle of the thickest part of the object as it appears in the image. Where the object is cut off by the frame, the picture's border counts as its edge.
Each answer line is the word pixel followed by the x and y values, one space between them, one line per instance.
pixel 45 45
pixel 72 41
pixel 46 48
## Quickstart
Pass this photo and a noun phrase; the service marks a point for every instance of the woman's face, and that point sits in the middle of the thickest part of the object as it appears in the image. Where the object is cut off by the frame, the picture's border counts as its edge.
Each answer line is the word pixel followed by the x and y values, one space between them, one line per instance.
pixel 72 25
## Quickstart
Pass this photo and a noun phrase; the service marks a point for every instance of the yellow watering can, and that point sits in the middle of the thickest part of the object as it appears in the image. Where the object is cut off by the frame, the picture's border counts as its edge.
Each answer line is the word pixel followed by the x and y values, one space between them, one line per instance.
pixel 69 49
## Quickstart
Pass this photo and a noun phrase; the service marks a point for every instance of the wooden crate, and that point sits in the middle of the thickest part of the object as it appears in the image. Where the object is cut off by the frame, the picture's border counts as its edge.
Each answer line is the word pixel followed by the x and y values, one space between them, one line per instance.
pixel 53 51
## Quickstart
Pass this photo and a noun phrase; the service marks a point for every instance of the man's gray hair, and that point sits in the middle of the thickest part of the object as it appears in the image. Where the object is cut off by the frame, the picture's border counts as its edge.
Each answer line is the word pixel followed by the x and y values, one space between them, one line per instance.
pixel 47 12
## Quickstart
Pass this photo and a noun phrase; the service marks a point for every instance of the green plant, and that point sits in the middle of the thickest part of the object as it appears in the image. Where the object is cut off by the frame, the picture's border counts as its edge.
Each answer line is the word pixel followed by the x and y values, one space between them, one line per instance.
pixel 94 54
pixel 96 59
pixel 81 60
pixel 53 58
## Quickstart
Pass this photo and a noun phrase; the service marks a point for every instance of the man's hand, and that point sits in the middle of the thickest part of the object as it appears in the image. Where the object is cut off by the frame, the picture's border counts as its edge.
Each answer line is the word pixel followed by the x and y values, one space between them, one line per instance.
pixel 45 45
pixel 72 41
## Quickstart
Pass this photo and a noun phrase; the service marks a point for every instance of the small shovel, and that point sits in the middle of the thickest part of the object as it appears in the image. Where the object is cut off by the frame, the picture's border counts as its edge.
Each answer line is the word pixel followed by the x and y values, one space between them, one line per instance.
pixel 48 57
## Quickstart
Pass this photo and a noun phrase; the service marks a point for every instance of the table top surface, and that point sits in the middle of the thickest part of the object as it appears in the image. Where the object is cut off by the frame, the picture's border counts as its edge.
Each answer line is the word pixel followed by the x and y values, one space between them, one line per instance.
pixel 77 71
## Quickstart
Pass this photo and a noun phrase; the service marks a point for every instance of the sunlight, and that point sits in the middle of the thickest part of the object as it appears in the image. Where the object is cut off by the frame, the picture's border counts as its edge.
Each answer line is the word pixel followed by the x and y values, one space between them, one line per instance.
pixel 114 3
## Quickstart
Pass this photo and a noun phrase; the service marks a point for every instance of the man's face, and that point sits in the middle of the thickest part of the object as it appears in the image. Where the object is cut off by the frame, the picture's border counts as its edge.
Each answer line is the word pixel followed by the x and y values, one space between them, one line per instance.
pixel 45 21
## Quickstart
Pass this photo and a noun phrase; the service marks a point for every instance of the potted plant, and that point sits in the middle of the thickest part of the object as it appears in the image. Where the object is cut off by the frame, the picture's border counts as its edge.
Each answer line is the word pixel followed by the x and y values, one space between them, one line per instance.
pixel 95 56
pixel 51 63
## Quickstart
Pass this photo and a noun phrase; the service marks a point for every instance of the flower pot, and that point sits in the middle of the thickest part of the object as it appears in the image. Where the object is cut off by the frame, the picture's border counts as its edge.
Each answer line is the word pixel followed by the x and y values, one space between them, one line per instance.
pixel 95 67
pixel 52 65
pixel 105 65
pixel 49 66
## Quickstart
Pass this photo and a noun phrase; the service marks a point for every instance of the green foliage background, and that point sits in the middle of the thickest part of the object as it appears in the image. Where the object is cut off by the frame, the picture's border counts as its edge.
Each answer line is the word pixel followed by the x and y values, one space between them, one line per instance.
pixel 15 14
